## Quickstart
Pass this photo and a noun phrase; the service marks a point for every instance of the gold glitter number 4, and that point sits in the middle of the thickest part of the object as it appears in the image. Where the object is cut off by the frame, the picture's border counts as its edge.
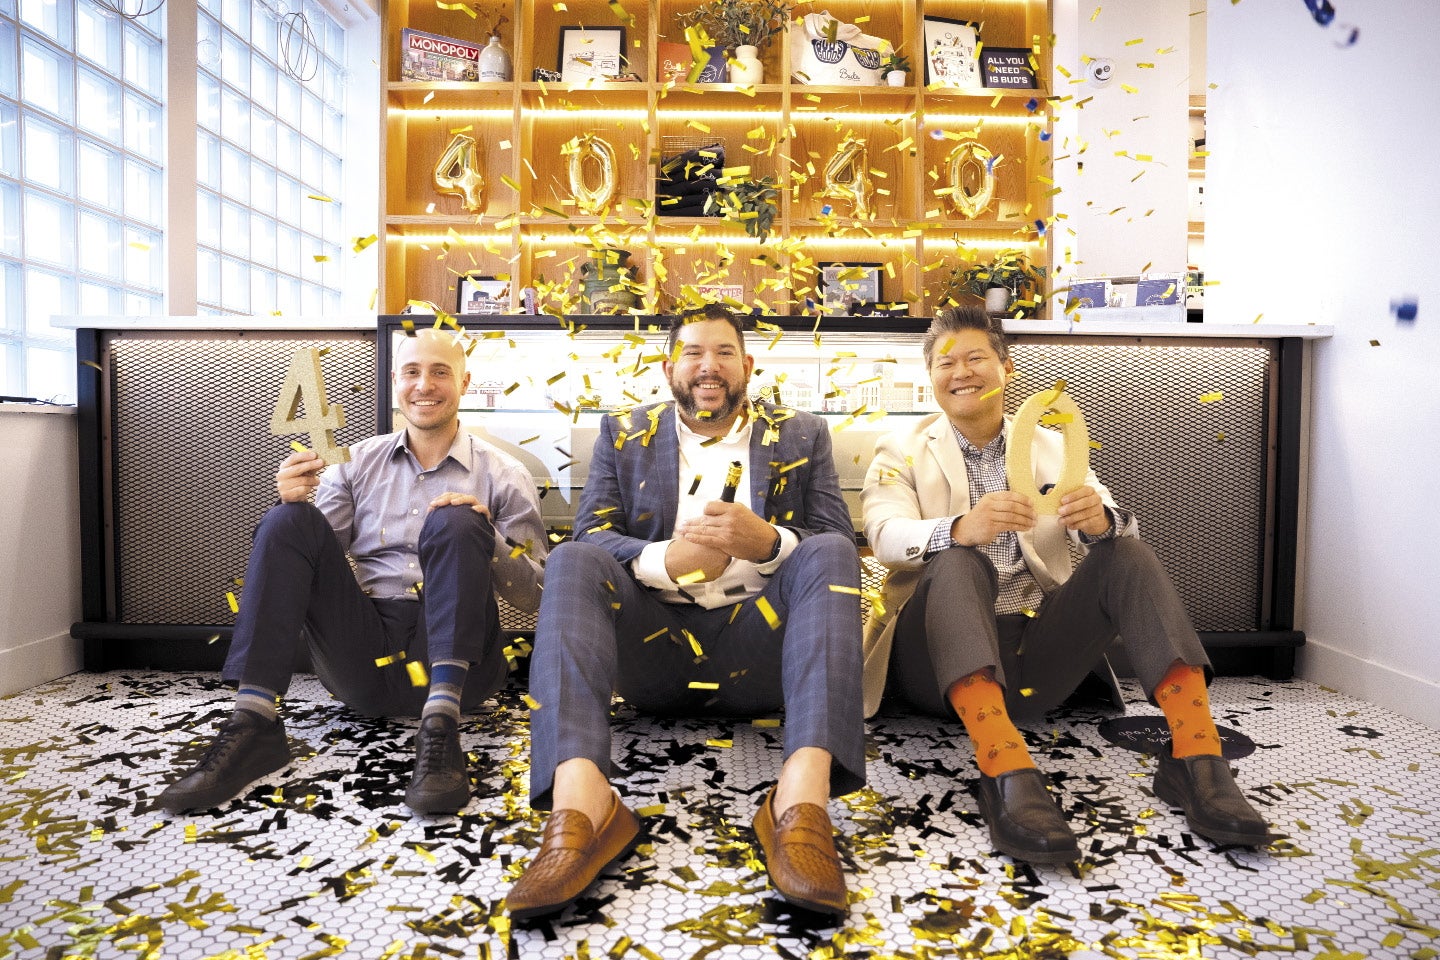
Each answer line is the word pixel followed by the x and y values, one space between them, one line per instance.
pixel 304 386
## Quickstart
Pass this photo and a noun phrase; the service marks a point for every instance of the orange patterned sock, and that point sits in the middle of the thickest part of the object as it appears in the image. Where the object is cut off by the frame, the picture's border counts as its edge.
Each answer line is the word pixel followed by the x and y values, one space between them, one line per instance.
pixel 1181 694
pixel 980 703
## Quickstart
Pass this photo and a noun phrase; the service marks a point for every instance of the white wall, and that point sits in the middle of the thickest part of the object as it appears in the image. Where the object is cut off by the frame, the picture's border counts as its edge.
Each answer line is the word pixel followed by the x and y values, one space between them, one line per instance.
pixel 39 546
pixel 1322 204
pixel 1108 221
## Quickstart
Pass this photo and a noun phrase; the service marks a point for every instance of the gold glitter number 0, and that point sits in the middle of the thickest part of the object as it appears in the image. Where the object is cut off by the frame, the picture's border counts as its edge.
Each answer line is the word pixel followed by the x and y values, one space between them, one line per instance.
pixel 1067 416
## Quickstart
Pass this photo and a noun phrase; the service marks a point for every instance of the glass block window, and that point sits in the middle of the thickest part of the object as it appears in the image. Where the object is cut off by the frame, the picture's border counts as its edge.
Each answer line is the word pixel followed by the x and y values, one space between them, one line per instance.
pixel 269 143
pixel 81 173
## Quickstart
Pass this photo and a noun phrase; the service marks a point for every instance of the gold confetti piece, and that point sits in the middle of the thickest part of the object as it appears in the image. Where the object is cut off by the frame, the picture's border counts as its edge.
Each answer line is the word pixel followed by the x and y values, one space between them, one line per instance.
pixel 765 722
pixel 418 676
pixel 702 685
pixel 298 447
pixel 393 658
pixel 362 242
pixel 531 702
pixel 721 744
pixel 768 612
pixel 840 588
pixel 654 810
pixel 694 576
pixel 1212 397
pixel 230 599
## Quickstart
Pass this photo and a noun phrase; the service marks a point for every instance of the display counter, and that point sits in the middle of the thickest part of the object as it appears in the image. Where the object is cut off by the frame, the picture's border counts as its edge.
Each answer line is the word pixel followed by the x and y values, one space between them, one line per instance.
pixel 1199 428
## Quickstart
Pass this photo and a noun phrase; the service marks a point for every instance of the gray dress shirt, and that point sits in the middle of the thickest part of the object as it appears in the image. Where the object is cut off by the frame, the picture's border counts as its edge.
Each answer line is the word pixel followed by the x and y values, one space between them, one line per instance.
pixel 377 503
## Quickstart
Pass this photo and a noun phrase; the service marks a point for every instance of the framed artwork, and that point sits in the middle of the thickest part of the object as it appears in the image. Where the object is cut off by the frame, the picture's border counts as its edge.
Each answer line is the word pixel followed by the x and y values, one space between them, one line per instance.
pixel 1087 294
pixel 590 53
pixel 1159 288
pixel 950 53
pixel 846 287
pixel 482 294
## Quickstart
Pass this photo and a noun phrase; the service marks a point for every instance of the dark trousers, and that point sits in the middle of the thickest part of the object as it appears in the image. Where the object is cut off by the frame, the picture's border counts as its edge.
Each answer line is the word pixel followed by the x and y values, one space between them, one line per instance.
pixel 298 577
pixel 600 632
pixel 949 629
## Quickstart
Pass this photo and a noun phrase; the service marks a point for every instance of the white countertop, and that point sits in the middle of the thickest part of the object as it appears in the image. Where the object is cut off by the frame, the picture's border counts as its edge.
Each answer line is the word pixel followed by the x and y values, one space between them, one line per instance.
pixel 1141 328
pixel 268 322
pixel 1088 324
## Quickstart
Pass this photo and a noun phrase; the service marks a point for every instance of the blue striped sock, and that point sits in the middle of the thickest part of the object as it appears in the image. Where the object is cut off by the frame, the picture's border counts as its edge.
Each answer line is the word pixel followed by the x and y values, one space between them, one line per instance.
pixel 258 700
pixel 447 679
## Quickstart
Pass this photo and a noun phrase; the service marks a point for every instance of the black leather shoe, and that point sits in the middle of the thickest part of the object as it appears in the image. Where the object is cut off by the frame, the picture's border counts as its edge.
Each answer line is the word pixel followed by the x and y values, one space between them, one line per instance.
pixel 1205 789
pixel 440 783
pixel 246 747
pixel 1024 821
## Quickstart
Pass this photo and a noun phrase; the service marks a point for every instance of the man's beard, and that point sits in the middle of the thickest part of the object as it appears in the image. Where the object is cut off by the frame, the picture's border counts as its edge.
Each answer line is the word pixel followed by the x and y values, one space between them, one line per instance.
pixel 685 400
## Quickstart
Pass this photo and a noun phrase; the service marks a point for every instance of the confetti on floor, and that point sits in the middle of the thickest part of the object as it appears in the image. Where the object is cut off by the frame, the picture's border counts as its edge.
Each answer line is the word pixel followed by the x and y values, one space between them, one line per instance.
pixel 324 859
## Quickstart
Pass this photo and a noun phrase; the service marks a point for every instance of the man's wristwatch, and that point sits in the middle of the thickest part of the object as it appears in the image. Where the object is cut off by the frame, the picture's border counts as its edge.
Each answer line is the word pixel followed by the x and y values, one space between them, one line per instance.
pixel 775 552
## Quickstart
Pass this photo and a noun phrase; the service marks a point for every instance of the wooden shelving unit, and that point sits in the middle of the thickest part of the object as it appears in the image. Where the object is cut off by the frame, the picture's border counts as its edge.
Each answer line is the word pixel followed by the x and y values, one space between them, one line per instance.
pixel 531 231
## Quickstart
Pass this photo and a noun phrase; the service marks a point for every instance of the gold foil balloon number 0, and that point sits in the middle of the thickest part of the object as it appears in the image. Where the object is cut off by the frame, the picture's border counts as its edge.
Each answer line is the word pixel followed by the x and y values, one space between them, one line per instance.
pixel 1053 408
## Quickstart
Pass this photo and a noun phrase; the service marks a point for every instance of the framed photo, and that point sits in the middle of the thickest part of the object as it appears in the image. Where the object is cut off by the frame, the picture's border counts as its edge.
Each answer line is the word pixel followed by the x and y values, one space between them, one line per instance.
pixel 1007 68
pixel 1159 288
pixel 846 287
pixel 1088 294
pixel 591 53
pixel 481 294
pixel 950 53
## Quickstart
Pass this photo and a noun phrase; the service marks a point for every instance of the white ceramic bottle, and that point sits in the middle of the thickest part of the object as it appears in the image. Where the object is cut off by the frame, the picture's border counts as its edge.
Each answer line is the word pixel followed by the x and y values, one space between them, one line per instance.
pixel 494 62
pixel 746 69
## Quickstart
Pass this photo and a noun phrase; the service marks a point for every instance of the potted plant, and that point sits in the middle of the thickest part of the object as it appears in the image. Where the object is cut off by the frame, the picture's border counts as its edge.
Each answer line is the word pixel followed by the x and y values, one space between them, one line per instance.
pixel 751 202
pixel 897 68
pixel 742 28
pixel 1002 281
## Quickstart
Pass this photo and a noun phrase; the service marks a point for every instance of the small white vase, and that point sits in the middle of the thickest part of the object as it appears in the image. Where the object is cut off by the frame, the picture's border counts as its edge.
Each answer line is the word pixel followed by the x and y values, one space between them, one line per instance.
pixel 897 78
pixel 746 69
pixel 494 62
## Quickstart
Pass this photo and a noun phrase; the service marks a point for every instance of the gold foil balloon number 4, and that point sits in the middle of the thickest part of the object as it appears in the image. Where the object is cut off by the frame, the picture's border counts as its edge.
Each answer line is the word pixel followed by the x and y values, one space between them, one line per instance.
pixel 457 173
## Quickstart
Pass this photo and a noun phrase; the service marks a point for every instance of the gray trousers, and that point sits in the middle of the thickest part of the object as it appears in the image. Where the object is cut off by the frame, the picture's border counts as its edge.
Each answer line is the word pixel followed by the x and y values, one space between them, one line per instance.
pixel 600 632
pixel 949 629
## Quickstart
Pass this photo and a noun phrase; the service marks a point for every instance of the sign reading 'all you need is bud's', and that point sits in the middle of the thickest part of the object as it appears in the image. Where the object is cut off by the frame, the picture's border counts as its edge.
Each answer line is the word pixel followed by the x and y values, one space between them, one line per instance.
pixel 1007 67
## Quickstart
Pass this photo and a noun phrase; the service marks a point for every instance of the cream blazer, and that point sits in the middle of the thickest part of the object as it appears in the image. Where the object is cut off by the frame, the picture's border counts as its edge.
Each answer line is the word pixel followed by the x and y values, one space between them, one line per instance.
pixel 918 477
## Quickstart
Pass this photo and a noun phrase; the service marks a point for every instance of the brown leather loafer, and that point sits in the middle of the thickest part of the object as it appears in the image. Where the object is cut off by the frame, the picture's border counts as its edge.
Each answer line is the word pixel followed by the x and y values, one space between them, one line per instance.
pixel 572 853
pixel 800 855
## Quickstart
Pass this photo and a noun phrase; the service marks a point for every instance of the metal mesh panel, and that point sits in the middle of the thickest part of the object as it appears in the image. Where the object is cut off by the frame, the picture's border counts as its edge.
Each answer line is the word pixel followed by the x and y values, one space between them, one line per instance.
pixel 1172 458
pixel 194 461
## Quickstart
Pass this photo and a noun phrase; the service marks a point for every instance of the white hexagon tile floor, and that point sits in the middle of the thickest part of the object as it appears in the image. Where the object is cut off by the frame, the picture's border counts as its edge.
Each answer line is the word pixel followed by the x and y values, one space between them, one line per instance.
pixel 323 859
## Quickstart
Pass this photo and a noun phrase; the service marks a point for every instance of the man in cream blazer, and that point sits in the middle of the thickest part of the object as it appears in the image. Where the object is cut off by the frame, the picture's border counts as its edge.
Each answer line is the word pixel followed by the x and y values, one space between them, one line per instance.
pixel 985 618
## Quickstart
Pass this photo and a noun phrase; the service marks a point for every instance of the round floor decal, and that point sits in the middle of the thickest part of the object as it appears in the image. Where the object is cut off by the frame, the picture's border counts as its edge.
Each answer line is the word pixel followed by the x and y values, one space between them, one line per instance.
pixel 1151 735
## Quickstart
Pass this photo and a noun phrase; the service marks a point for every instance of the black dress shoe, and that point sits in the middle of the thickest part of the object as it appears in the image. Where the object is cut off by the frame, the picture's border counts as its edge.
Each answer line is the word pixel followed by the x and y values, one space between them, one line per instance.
pixel 1205 789
pixel 440 783
pixel 246 747
pixel 1024 821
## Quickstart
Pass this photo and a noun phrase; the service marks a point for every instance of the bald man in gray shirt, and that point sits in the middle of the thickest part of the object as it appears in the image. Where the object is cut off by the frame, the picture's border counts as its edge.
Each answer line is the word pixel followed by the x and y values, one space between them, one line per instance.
pixel 436 522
